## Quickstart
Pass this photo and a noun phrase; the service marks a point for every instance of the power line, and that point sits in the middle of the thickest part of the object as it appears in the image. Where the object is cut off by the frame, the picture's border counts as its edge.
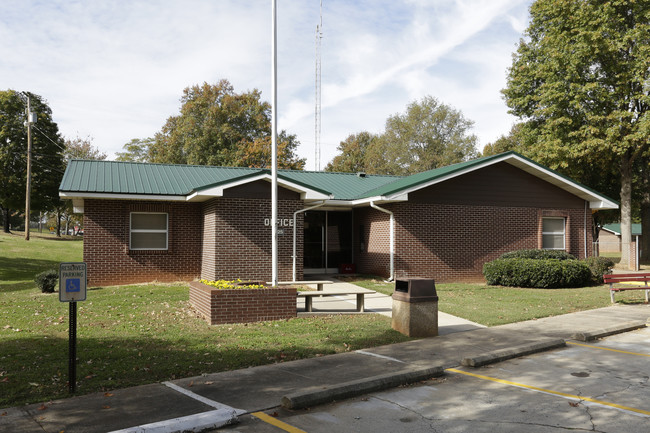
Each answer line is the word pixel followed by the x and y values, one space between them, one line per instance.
pixel 42 164
pixel 46 136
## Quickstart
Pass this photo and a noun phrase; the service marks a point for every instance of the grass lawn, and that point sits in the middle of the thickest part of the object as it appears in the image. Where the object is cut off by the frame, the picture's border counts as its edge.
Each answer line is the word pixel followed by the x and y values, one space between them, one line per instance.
pixel 495 305
pixel 138 334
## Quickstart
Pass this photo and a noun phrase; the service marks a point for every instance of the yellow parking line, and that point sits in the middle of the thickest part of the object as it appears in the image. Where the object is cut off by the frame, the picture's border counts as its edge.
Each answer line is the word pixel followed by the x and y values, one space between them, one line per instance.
pixel 607 348
pixel 548 391
pixel 277 423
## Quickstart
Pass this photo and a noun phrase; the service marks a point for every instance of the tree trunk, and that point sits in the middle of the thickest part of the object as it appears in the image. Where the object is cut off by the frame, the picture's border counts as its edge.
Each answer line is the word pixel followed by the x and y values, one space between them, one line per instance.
pixel 7 212
pixel 645 217
pixel 595 232
pixel 58 223
pixel 626 211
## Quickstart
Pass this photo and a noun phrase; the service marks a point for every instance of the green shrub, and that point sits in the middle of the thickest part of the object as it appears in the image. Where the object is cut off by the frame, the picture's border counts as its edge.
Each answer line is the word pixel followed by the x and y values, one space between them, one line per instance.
pixel 47 281
pixel 538 255
pixel 599 266
pixel 544 274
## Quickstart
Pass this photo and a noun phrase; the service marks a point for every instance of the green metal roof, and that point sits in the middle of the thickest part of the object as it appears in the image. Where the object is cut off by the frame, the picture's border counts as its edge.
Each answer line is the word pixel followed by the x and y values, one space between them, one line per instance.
pixel 616 228
pixel 115 177
pixel 344 186
pixel 133 178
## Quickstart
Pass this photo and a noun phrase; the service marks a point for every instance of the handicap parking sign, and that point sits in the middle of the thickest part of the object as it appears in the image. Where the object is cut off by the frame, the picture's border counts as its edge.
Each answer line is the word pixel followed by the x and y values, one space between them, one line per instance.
pixel 73 285
pixel 72 282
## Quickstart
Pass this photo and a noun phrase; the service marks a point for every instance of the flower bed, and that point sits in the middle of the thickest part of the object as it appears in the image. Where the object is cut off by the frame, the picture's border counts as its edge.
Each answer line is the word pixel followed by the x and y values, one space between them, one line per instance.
pixel 241 305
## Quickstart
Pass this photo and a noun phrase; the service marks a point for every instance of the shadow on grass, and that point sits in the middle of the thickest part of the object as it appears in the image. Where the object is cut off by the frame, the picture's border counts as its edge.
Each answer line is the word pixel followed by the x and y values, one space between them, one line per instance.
pixel 18 273
pixel 36 368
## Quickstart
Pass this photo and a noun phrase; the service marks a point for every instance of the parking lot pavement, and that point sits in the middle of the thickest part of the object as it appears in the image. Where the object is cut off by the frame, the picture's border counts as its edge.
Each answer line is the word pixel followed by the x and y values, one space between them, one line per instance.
pixel 598 386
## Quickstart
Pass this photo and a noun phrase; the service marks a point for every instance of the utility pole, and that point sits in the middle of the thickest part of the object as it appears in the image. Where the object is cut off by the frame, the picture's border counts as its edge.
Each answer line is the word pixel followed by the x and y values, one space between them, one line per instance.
pixel 30 118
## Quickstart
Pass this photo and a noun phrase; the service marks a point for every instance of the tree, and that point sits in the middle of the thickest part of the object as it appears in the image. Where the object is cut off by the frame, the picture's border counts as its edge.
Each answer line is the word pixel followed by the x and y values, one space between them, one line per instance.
pixel 258 153
pixel 352 154
pixel 216 126
pixel 82 148
pixel 581 77
pixel 75 148
pixel 429 135
pixel 47 154
pixel 514 141
pixel 136 150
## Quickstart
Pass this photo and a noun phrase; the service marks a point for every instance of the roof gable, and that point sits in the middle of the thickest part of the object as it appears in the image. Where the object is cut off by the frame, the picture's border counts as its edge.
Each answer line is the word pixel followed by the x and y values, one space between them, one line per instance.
pixel 425 179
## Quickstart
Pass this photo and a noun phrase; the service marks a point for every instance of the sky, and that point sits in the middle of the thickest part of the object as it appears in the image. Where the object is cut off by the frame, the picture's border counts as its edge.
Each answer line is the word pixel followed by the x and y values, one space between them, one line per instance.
pixel 115 70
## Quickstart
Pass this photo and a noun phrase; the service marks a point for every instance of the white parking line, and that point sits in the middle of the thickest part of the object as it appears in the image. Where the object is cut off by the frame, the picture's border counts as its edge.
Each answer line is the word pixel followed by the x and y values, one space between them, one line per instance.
pixel 204 400
pixel 363 352
pixel 213 419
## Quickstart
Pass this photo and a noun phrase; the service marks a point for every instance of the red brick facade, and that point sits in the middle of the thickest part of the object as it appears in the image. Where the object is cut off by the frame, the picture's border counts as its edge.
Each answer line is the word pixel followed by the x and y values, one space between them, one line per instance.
pixel 237 240
pixel 225 238
pixel 448 231
pixel 242 305
pixel 450 243
pixel 106 243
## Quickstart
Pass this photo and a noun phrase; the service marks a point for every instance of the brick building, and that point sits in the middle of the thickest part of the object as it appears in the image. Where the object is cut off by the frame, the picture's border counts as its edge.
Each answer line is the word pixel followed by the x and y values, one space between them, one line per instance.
pixel 146 222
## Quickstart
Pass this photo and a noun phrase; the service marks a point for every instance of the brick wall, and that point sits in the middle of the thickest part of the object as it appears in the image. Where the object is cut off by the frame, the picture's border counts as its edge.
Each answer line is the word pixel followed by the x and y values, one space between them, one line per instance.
pixel 452 242
pixel 106 243
pixel 237 243
pixel 242 305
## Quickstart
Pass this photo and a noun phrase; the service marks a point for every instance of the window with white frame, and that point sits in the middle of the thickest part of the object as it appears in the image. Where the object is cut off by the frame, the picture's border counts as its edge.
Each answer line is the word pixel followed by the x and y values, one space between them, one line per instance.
pixel 553 233
pixel 149 231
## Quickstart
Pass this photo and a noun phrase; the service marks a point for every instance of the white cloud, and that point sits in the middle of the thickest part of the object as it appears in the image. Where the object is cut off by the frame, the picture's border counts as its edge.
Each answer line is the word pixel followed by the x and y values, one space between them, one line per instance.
pixel 115 70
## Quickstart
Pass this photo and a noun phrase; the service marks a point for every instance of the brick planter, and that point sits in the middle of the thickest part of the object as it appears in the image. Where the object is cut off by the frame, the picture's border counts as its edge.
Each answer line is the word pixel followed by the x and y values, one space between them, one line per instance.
pixel 220 306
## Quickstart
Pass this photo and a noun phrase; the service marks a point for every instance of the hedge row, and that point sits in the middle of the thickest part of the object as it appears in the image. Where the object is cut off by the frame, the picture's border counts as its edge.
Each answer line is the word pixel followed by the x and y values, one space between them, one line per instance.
pixel 544 273
pixel 538 255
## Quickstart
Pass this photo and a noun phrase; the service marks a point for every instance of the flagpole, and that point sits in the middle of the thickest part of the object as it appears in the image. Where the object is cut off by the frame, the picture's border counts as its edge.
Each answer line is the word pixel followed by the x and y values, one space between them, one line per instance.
pixel 274 148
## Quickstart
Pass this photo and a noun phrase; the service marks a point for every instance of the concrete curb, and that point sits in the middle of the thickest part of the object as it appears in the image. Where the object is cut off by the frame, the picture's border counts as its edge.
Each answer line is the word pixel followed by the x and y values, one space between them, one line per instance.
pixel 359 387
pixel 512 352
pixel 611 330
pixel 192 423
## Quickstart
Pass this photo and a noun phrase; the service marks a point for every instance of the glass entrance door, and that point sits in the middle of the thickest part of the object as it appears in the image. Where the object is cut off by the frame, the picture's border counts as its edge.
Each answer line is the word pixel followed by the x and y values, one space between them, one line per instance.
pixel 327 241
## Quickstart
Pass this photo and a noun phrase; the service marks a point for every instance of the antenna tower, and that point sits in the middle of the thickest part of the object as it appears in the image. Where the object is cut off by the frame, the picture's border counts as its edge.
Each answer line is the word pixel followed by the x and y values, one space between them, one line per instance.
pixel 317 110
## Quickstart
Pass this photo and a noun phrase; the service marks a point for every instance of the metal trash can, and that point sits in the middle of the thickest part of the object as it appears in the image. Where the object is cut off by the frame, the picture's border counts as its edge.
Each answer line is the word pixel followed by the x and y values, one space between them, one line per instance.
pixel 415 307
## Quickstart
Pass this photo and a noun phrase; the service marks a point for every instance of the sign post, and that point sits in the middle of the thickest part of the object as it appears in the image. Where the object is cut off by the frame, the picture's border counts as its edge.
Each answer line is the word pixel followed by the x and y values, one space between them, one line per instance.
pixel 72 288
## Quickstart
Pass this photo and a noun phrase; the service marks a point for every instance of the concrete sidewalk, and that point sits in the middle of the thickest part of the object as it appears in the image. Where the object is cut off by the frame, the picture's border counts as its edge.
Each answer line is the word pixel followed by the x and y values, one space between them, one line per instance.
pixel 375 303
pixel 205 401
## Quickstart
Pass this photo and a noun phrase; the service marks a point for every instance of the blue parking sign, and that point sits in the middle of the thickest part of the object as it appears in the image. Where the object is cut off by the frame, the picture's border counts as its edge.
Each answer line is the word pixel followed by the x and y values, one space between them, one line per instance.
pixel 73 285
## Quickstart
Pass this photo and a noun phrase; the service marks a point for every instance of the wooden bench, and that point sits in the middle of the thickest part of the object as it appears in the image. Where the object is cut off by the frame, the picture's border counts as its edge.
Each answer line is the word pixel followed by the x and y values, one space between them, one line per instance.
pixel 319 284
pixel 309 296
pixel 612 279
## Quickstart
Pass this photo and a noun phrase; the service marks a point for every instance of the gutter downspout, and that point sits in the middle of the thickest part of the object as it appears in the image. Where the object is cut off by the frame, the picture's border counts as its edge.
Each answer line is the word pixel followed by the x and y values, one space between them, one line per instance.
pixel 392 238
pixel 585 229
pixel 295 227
